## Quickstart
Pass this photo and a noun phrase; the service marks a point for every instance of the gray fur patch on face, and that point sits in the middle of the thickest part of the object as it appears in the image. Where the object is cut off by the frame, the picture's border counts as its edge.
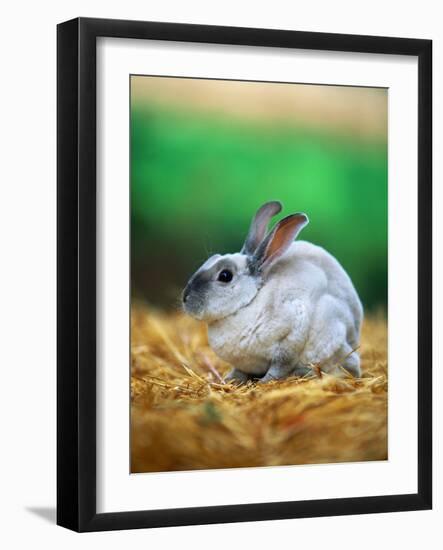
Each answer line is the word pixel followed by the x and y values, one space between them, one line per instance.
pixel 208 272
pixel 207 297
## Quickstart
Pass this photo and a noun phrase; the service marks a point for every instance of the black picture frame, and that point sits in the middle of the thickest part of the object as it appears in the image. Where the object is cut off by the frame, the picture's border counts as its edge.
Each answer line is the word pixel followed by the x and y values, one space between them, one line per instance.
pixel 76 273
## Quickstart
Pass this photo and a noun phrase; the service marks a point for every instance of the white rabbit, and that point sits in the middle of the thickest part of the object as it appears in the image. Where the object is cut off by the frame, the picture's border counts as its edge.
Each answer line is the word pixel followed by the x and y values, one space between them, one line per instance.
pixel 278 307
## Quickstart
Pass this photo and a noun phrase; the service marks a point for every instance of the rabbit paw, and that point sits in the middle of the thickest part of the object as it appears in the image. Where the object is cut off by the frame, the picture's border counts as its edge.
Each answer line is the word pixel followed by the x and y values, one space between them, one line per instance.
pixel 276 371
pixel 236 376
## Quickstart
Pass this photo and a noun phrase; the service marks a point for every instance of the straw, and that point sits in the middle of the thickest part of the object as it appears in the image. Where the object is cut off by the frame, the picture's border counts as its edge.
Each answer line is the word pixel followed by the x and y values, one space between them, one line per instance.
pixel 185 417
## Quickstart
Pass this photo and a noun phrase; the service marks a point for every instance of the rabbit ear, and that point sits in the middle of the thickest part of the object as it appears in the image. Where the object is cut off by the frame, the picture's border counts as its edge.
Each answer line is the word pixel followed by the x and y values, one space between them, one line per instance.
pixel 278 241
pixel 259 225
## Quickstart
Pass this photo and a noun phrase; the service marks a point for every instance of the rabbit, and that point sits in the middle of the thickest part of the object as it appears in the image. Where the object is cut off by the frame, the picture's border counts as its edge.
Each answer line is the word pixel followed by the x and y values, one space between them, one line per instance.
pixel 277 308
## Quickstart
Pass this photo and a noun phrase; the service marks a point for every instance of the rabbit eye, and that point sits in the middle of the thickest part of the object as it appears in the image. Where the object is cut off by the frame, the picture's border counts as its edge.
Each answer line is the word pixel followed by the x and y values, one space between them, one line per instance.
pixel 225 276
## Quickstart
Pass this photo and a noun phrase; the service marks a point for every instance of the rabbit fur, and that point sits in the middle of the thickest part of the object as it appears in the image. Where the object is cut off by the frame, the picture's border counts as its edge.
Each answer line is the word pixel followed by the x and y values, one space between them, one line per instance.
pixel 278 307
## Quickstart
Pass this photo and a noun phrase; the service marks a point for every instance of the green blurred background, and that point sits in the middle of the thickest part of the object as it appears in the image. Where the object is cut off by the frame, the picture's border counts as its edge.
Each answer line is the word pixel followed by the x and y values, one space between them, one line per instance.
pixel 206 154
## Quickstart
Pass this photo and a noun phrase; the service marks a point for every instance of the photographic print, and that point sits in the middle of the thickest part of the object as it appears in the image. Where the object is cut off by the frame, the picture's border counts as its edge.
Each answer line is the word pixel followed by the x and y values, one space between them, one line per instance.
pixel 258 274
pixel 224 246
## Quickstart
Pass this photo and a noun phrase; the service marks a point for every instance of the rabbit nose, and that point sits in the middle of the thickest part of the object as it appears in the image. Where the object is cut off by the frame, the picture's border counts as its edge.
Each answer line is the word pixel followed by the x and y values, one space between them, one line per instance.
pixel 186 293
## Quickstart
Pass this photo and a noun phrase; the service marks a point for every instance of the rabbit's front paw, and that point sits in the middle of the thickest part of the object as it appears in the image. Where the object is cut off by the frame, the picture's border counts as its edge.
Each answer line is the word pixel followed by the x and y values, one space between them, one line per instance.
pixel 236 376
pixel 276 371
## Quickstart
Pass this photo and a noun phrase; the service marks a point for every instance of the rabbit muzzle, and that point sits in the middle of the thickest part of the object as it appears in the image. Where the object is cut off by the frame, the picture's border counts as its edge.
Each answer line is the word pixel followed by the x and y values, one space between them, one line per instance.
pixel 193 299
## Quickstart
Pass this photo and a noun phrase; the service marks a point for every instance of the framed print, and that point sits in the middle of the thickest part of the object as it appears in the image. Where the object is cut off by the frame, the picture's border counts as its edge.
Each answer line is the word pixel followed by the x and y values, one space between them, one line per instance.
pixel 244 274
